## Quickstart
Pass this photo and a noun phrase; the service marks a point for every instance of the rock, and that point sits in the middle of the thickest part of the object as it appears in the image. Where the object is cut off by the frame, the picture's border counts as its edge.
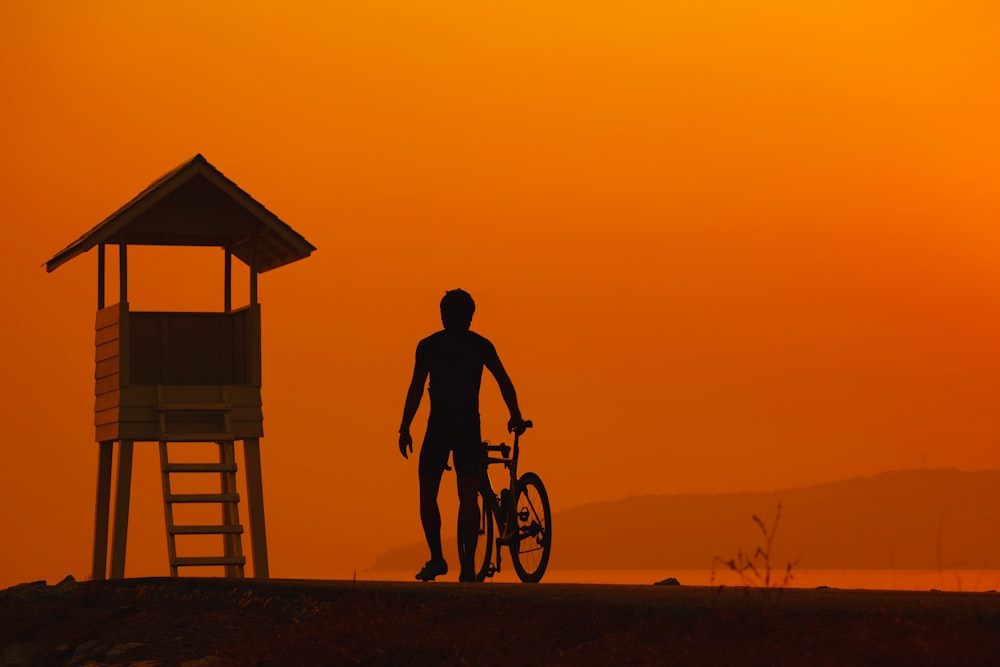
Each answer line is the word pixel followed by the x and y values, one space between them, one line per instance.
pixel 207 661
pixel 26 591
pixel 20 654
pixel 83 651
pixel 669 581
pixel 62 652
pixel 121 649
pixel 36 589
pixel 67 585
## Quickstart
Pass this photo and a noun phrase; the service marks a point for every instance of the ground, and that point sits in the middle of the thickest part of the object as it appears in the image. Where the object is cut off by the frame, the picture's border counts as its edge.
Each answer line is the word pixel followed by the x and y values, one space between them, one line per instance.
pixel 209 622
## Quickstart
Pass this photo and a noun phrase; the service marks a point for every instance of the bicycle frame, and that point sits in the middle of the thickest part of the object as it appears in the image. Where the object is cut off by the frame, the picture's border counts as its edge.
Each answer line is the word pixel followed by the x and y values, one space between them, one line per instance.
pixel 503 517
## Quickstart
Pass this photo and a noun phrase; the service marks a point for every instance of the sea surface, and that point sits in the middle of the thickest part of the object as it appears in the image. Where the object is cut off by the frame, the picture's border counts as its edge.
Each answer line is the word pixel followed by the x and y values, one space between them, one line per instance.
pixel 965 580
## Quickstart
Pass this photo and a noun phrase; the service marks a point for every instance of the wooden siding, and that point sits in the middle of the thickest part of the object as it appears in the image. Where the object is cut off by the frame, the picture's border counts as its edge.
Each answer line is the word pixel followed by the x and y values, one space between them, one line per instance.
pixel 194 376
pixel 107 357
pixel 192 412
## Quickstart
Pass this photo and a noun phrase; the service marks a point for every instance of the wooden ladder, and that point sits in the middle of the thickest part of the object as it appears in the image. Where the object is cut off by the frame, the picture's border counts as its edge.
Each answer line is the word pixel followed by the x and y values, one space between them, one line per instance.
pixel 230 529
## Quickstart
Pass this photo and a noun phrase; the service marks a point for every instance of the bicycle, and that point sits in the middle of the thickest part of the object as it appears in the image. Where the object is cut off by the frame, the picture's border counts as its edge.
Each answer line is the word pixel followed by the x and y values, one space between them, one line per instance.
pixel 523 525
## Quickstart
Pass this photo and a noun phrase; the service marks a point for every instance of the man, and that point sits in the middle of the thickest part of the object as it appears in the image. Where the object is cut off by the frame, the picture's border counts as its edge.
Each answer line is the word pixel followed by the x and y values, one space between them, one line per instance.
pixel 453 359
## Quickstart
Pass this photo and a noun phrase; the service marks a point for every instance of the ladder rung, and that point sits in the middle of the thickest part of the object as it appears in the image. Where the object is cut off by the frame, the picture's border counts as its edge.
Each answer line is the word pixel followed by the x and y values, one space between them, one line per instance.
pixel 168 436
pixel 199 467
pixel 204 498
pixel 205 530
pixel 194 407
pixel 209 560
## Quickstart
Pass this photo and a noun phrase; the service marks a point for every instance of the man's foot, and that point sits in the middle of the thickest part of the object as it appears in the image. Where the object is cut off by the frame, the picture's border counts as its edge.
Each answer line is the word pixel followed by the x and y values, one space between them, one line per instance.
pixel 467 576
pixel 432 568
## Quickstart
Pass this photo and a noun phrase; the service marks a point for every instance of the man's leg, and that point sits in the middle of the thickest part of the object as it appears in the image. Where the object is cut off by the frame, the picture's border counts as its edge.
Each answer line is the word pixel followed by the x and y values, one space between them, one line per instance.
pixel 433 460
pixel 468 525
pixel 430 515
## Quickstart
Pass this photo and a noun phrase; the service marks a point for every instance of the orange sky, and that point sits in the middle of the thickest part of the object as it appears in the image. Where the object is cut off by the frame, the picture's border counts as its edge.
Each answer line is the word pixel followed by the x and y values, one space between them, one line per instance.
pixel 734 247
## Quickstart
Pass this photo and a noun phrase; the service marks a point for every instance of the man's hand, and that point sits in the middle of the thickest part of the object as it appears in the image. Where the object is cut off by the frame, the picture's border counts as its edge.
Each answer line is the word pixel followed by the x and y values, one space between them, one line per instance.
pixel 405 443
pixel 516 425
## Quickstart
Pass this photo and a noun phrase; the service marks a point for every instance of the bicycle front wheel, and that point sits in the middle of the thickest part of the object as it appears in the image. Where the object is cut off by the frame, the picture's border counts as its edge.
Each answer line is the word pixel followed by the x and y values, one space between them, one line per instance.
pixel 484 545
pixel 530 552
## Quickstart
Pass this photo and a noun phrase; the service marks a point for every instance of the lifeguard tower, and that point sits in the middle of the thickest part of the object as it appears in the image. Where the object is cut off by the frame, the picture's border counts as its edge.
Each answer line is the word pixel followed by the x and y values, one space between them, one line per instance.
pixel 170 377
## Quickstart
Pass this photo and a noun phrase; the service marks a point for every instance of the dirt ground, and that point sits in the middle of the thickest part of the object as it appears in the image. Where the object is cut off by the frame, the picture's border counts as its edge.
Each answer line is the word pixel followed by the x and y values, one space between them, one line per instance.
pixel 208 622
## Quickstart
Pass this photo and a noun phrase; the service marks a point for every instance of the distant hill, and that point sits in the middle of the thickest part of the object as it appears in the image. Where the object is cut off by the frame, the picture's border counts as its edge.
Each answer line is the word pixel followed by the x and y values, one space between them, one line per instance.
pixel 915 519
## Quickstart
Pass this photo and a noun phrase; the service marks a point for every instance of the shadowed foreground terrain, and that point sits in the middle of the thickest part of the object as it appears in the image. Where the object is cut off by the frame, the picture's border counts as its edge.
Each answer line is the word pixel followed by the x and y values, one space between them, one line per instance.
pixel 202 622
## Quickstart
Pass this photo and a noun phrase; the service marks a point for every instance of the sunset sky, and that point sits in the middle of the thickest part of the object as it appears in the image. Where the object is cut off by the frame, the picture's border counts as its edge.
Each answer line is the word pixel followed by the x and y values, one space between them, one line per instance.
pixel 719 246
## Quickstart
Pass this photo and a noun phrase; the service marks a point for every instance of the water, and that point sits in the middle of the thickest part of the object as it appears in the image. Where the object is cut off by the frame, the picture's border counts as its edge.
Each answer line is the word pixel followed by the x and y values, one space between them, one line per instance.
pixel 892 580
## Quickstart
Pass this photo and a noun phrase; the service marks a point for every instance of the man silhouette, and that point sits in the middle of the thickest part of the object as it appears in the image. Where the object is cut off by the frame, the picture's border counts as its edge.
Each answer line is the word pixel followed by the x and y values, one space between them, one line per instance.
pixel 453 359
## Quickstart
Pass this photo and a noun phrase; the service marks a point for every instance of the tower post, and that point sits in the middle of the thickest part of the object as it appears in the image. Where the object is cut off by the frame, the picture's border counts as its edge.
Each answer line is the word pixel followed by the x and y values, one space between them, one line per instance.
pixel 99 569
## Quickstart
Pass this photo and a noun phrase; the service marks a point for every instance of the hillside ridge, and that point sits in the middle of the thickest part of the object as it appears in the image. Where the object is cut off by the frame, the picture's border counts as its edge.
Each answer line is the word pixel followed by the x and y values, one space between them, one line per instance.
pixel 919 518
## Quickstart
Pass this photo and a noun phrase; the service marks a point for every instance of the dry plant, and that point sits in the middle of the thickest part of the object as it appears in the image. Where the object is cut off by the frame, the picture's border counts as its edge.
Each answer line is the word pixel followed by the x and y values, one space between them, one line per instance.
pixel 756 570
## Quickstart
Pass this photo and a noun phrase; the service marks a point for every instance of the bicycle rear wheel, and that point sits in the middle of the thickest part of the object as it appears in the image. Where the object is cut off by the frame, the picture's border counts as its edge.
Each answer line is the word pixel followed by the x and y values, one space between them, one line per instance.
pixel 530 552
pixel 484 545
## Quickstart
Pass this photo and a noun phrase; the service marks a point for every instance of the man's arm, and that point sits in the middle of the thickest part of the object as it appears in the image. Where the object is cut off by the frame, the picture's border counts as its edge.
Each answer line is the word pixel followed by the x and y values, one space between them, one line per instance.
pixel 506 391
pixel 413 396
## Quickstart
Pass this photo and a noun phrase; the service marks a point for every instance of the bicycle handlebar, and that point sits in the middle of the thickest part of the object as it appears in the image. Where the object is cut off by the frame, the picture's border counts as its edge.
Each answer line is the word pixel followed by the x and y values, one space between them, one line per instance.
pixel 502 448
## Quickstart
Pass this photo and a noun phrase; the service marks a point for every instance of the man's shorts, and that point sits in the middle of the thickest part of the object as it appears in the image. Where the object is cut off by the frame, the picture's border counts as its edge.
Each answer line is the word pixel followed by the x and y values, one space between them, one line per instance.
pixel 459 437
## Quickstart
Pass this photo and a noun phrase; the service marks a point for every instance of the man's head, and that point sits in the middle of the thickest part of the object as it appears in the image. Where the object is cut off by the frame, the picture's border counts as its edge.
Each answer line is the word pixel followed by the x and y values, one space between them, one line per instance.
pixel 457 308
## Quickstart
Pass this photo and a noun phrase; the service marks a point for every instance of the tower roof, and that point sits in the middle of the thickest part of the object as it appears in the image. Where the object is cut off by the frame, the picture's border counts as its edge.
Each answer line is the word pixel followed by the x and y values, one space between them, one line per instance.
pixel 196 205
